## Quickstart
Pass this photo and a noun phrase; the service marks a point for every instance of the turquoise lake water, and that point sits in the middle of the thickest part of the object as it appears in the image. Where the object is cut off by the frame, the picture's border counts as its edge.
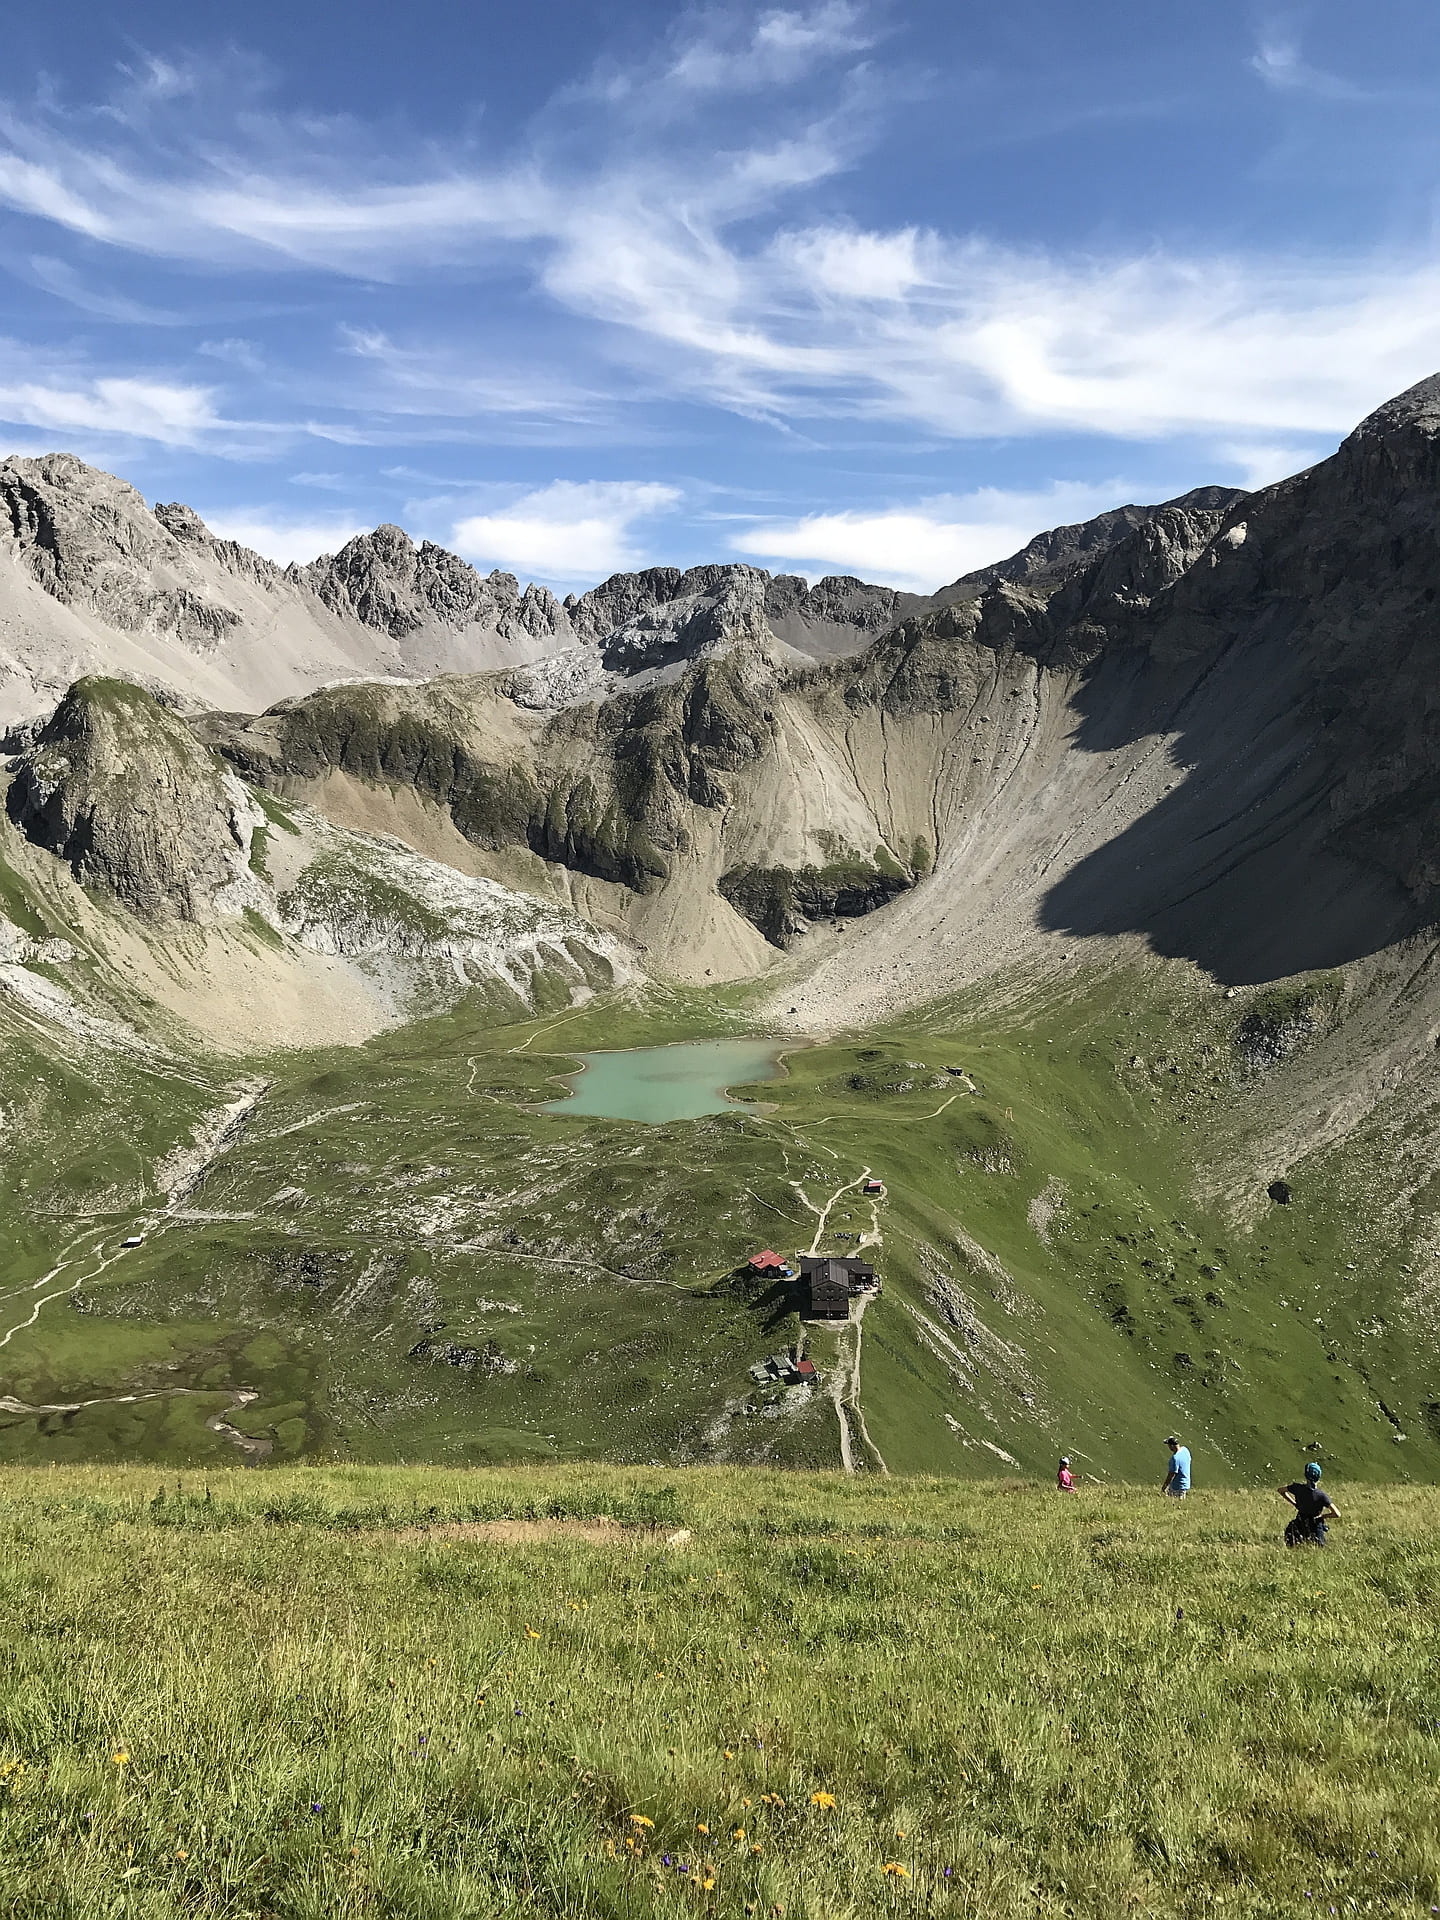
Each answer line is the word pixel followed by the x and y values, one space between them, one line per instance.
pixel 656 1084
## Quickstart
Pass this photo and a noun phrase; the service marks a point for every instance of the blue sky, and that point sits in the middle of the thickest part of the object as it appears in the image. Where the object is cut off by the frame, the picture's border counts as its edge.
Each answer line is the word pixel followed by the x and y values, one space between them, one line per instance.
pixel 836 287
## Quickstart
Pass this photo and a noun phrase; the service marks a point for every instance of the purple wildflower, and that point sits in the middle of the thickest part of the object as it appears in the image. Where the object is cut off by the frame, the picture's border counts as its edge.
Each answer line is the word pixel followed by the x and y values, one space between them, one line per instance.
pixel 317 1806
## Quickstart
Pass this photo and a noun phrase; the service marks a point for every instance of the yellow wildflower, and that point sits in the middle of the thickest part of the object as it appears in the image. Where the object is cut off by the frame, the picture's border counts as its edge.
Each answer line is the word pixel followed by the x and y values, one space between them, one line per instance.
pixel 822 1799
pixel 700 1827
pixel 755 1849
pixel 895 1870
pixel 728 1754
pixel 639 1820
pixel 121 1757
pixel 739 1833
pixel 531 1634
pixel 181 1854
pixel 708 1882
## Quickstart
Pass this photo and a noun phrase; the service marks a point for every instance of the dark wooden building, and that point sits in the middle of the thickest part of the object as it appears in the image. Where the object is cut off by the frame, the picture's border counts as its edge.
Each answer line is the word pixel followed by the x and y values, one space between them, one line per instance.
pixel 831 1283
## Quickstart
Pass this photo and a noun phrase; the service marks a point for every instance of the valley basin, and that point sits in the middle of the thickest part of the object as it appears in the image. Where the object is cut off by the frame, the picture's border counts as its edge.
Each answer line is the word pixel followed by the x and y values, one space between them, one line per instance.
pixel 679 1082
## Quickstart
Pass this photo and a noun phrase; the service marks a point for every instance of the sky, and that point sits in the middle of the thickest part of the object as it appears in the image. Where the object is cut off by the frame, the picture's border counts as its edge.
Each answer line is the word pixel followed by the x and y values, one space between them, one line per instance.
pixel 839 287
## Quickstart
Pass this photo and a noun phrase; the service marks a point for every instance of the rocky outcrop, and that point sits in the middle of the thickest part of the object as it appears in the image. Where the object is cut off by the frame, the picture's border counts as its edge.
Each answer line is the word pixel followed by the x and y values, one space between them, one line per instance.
pixel 1053 557
pixel 91 543
pixel 122 791
pixel 783 902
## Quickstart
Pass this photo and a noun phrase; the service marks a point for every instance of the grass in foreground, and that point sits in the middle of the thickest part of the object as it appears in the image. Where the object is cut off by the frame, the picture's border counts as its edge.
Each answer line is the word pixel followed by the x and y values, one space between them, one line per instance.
pixel 310 1693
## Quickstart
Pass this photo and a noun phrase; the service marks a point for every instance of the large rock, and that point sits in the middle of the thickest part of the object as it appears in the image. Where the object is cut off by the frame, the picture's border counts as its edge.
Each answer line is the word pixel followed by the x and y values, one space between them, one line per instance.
pixel 124 792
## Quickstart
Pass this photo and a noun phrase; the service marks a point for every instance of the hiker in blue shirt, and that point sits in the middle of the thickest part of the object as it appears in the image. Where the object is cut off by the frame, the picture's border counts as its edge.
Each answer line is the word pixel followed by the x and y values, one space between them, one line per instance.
pixel 1177 1474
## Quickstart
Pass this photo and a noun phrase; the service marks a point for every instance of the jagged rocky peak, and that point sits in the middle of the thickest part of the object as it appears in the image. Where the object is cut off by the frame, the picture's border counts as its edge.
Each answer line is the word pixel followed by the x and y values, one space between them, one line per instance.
pixel 183 522
pixel 124 792
pixel 383 580
pixel 64 517
pixel 92 543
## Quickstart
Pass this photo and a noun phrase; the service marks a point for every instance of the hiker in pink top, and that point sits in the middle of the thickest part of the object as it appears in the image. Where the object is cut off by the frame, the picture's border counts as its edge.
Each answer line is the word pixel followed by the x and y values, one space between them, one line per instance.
pixel 1065 1479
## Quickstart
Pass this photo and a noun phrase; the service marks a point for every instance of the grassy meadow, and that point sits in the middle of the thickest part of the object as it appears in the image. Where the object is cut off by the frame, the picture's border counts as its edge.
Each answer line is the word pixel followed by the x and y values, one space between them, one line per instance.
pixel 406 1259
pixel 590 1690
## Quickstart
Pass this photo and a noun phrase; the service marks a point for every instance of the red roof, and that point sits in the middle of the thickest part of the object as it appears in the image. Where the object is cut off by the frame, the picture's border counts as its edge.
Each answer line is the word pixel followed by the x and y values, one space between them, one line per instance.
pixel 766 1259
pixel 805 1368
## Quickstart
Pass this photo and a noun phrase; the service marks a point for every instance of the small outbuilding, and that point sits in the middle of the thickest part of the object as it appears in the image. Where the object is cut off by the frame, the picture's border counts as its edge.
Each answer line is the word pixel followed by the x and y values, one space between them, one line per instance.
pixel 806 1370
pixel 873 1186
pixel 767 1265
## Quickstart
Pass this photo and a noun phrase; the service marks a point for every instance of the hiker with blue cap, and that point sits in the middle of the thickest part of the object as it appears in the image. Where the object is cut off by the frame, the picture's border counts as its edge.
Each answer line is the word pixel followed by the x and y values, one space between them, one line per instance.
pixel 1313 1507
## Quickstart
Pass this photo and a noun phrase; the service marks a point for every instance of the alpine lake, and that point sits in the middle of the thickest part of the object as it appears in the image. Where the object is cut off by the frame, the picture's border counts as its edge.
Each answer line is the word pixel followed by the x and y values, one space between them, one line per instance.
pixel 660 1084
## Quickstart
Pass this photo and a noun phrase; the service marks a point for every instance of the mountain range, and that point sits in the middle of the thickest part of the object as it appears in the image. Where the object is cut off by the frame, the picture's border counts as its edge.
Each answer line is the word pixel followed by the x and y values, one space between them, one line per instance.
pixel 1155 798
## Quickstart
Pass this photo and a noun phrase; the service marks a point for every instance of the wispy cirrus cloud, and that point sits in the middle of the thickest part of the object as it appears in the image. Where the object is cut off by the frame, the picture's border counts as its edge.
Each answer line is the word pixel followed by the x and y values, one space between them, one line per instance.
pixel 681 257
pixel 684 250
pixel 567 532
pixel 728 52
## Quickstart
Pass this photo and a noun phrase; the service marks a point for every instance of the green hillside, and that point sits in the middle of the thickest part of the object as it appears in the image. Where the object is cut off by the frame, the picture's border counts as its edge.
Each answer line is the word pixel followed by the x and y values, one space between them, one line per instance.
pixel 401 1258
pixel 600 1692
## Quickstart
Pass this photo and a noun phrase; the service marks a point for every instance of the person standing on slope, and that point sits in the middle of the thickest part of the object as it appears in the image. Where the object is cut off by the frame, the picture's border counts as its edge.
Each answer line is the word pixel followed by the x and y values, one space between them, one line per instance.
pixel 1065 1479
pixel 1177 1474
pixel 1313 1507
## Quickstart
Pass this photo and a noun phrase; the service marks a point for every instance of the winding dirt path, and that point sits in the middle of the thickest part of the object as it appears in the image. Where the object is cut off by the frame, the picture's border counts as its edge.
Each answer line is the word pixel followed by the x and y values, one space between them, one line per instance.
pixel 86 1273
pixel 845 1374
pixel 823 1213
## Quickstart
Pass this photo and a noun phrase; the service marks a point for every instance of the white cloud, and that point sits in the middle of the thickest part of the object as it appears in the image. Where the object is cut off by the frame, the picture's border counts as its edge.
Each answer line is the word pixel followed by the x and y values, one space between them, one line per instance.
pixel 570 531
pixel 1260 465
pixel 924 547
pixel 232 352
pixel 283 540
pixel 177 416
pixel 58 277
pixel 858 266
pixel 777 50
